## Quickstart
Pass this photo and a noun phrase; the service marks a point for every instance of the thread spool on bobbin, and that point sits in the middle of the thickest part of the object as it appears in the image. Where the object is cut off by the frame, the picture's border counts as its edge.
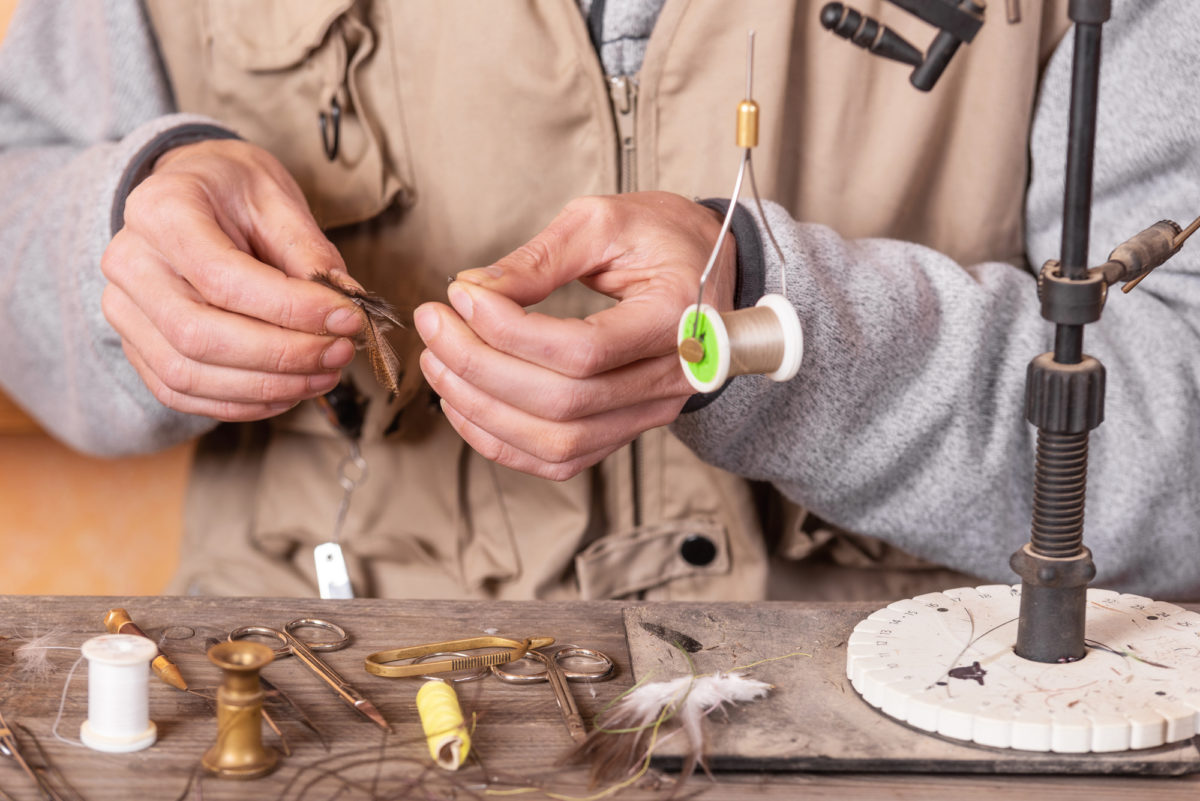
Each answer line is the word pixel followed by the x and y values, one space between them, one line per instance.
pixel 441 716
pixel 118 694
pixel 763 340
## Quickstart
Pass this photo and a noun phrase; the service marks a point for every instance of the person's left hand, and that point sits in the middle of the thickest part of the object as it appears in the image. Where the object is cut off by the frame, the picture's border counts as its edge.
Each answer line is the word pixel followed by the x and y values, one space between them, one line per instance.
pixel 553 396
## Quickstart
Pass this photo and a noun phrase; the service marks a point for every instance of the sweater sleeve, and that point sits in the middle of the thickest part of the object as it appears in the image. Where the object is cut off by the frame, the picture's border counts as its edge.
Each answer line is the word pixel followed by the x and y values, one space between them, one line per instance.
pixel 84 104
pixel 906 421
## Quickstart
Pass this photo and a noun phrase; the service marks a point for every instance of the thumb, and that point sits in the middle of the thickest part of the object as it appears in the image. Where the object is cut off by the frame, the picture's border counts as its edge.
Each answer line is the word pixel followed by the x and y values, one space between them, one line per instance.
pixel 577 242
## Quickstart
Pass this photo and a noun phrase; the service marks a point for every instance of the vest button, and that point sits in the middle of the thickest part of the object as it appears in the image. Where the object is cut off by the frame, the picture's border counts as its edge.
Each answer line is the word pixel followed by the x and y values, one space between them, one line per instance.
pixel 698 550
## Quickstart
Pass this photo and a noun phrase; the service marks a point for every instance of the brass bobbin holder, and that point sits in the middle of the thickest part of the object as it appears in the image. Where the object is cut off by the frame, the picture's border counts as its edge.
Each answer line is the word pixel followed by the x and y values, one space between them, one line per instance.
pixel 239 752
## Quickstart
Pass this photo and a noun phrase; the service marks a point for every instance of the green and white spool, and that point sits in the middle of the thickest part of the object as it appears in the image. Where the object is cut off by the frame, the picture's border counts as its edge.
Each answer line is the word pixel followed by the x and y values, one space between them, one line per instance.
pixel 763 340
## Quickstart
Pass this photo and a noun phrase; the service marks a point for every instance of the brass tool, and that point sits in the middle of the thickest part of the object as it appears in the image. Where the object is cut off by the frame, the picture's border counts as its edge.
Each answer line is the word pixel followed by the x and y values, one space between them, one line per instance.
pixel 117 621
pixel 377 663
pixel 303 651
pixel 239 752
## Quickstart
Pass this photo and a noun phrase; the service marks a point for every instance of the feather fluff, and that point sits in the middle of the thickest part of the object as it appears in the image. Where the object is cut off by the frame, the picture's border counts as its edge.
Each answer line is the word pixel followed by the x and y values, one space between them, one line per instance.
pixel 627 733
pixel 33 656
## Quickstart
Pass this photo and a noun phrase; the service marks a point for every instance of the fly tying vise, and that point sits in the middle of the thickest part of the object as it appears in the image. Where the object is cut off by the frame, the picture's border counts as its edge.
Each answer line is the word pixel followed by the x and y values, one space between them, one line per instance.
pixel 763 340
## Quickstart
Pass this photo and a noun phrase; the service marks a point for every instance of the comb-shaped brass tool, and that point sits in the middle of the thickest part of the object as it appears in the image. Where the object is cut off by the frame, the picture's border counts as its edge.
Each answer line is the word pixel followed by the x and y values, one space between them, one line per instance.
pixel 378 663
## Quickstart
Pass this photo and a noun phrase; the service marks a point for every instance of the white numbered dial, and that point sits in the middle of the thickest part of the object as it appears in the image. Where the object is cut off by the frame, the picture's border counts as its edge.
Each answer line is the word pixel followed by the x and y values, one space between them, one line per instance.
pixel 944 663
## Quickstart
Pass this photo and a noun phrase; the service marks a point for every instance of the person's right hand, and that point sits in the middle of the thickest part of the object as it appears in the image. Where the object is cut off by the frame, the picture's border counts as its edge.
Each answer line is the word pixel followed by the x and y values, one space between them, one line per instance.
pixel 208 286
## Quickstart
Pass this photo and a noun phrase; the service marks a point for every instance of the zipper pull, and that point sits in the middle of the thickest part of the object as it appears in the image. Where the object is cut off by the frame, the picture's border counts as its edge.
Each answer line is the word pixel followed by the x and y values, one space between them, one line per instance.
pixel 623 95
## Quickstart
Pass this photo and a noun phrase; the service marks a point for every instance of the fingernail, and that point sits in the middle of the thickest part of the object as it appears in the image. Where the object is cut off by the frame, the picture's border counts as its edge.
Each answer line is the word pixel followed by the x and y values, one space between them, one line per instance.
pixel 474 275
pixel 345 280
pixel 338 355
pixel 425 320
pixel 344 320
pixel 460 299
pixel 431 366
pixel 323 382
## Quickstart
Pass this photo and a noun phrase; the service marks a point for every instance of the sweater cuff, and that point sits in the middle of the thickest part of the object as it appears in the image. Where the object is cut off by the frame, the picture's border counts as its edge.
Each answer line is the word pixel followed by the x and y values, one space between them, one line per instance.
pixel 142 163
pixel 751 277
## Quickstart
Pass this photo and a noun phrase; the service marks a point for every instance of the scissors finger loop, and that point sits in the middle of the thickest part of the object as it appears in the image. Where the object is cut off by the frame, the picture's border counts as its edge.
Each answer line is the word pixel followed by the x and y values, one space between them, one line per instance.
pixel 343 639
pixel 523 676
pixel 264 631
pixel 599 665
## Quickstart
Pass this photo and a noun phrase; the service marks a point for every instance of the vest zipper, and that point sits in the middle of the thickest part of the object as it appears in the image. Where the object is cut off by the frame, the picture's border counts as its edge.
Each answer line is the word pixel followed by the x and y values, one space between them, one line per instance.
pixel 623 94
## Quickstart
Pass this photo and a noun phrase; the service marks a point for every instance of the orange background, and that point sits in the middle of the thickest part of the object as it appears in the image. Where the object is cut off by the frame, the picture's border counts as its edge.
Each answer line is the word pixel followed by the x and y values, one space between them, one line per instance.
pixel 75 525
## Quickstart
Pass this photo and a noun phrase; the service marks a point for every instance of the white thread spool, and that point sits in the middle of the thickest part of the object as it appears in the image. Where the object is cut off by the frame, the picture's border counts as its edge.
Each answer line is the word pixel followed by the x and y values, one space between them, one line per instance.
pixel 763 340
pixel 118 693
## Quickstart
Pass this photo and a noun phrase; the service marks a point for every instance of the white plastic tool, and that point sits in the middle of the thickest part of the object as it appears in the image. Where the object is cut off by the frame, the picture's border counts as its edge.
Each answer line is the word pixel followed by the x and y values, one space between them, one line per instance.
pixel 944 663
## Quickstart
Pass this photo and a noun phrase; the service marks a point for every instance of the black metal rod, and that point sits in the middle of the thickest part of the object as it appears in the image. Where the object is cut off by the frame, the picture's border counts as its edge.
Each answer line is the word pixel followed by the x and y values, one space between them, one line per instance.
pixel 1077 197
pixel 1081 144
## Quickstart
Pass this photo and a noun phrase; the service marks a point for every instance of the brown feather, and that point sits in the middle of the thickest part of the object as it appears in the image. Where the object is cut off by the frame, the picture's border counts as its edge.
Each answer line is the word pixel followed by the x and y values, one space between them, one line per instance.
pixel 380 317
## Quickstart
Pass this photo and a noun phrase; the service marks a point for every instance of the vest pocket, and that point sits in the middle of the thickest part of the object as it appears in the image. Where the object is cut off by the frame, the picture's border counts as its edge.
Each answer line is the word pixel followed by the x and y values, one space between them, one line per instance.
pixel 628 562
pixel 294 76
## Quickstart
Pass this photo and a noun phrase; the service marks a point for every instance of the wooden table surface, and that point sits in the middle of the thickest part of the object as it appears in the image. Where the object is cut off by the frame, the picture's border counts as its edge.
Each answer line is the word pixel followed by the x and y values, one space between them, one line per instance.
pixel 519 737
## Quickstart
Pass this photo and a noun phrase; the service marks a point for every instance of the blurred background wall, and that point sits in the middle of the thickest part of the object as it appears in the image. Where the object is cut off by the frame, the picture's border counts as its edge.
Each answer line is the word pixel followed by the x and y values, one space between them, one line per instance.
pixel 75 525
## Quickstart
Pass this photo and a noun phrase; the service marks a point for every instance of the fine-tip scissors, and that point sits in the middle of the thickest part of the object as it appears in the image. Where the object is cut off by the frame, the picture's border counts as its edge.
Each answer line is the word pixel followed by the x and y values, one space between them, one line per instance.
pixel 303 650
pixel 569 663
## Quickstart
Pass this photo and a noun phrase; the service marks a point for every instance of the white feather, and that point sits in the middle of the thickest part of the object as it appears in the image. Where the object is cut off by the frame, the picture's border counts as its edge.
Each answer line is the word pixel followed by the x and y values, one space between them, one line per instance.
pixel 651 713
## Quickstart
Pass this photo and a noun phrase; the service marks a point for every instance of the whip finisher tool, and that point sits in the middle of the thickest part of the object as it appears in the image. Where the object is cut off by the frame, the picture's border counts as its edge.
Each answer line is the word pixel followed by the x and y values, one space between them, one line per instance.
pixel 1049 664
pixel 765 339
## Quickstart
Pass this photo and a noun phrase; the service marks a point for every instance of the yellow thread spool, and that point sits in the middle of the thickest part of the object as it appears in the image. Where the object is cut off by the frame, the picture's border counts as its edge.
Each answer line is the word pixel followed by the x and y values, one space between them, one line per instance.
pixel 763 340
pixel 442 721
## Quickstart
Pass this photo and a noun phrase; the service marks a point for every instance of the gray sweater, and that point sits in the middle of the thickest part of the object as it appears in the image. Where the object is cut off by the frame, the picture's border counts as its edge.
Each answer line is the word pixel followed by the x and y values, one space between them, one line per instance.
pixel 905 421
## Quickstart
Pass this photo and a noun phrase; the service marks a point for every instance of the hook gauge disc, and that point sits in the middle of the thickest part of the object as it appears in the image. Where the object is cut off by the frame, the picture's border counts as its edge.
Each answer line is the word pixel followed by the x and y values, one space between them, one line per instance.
pixel 944 662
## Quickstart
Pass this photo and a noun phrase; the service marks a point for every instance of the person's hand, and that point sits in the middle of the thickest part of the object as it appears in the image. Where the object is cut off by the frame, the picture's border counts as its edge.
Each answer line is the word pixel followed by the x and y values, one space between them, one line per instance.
pixel 207 286
pixel 553 396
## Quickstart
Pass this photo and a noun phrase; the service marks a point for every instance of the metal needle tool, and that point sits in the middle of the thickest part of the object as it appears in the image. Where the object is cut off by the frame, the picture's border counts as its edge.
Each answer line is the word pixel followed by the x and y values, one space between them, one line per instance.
pixel 117 621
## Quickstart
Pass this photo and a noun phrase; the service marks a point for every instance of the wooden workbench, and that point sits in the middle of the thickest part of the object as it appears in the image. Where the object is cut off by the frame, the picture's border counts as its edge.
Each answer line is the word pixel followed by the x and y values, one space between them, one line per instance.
pixel 519 737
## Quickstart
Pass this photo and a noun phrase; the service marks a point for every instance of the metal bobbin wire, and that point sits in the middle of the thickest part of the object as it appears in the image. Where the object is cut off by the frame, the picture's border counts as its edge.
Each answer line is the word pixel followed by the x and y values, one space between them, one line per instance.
pixel 764 340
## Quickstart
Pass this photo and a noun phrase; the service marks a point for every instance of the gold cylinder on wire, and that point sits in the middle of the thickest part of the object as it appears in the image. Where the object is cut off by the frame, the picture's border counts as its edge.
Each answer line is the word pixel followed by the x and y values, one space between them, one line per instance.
pixel 747 124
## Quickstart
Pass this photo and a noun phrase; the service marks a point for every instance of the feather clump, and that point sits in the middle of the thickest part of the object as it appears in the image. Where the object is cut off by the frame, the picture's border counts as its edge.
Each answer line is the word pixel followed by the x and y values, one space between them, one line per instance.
pixel 627 733
pixel 380 318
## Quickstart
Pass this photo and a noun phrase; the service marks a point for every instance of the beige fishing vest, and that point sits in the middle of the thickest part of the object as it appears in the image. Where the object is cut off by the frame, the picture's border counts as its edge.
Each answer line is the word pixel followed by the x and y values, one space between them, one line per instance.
pixel 465 126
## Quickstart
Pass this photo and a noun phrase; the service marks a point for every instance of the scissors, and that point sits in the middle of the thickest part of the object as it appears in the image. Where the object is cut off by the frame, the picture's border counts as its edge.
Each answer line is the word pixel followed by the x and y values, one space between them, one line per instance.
pixel 303 650
pixel 570 663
